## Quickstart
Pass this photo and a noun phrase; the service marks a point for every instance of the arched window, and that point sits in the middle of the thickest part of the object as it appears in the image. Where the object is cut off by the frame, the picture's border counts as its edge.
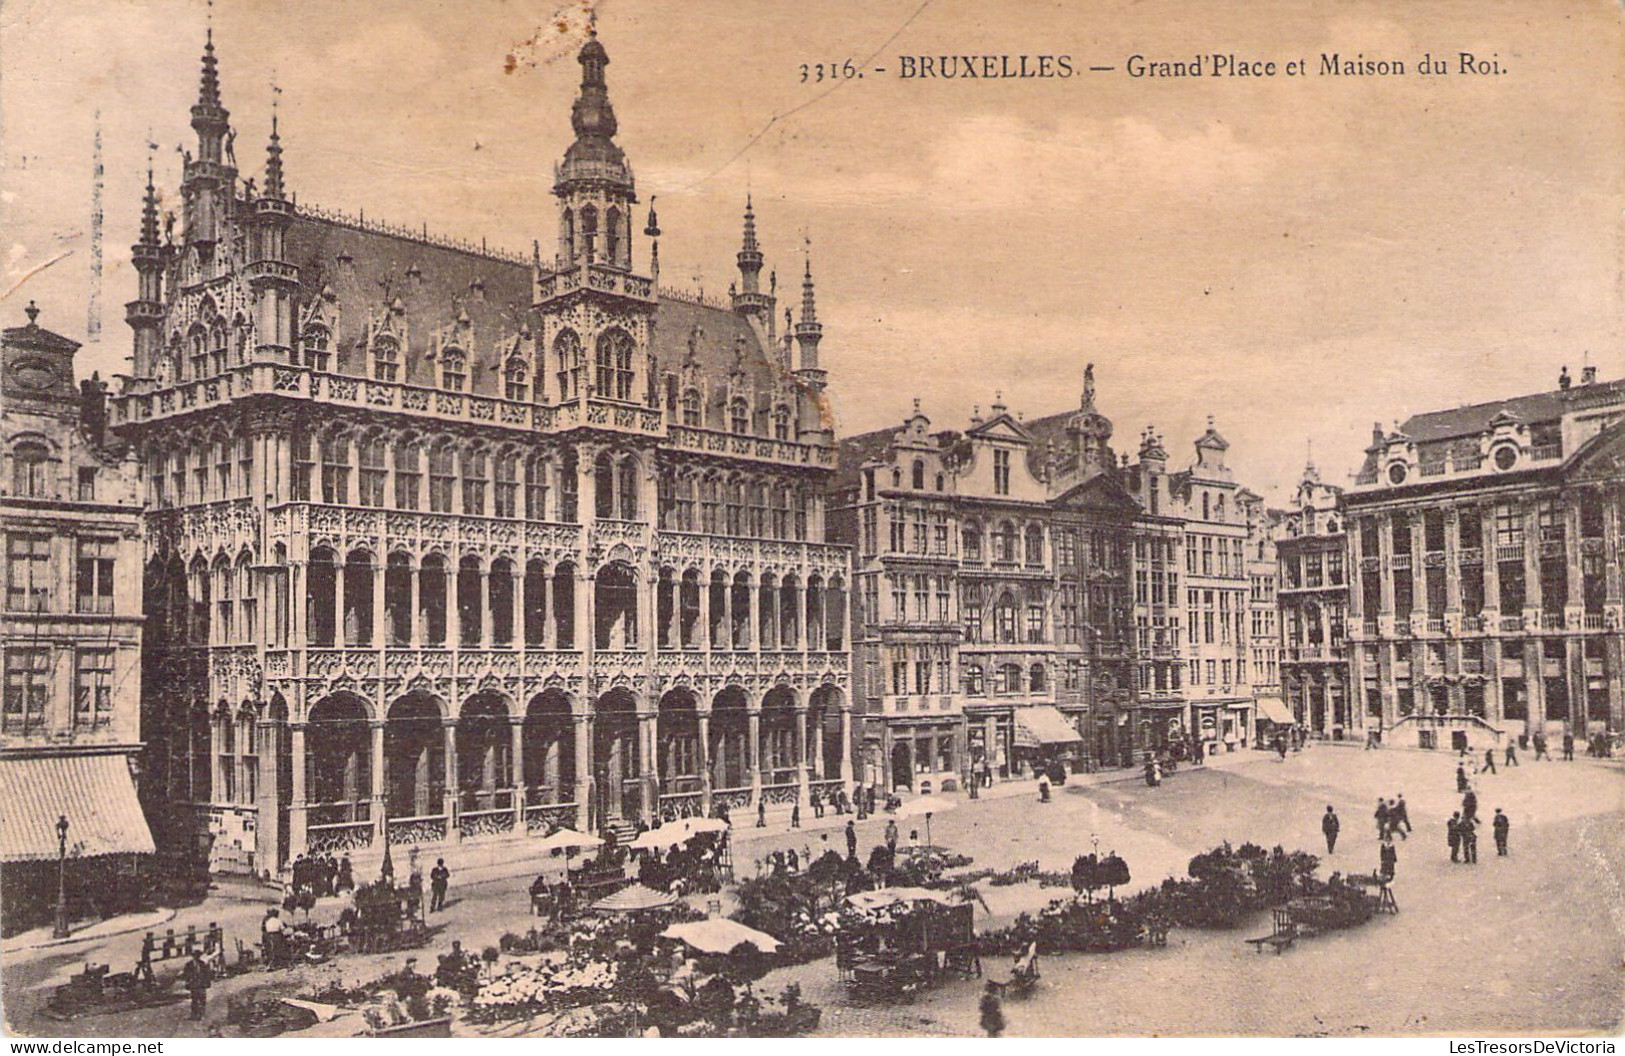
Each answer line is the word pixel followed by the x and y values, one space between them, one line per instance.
pixel 386 359
pixel 1009 678
pixel 217 347
pixel 506 494
pixel 374 471
pixel 971 542
pixel 612 236
pixel 603 479
pixel 315 338
pixel 453 370
pixel 442 478
pixel 974 684
pixel 614 358
pixel 470 603
pixel 589 230
pixel 536 488
pixel 567 234
pixel 516 386
pixel 691 407
pixel 336 469
pixel 408 475
pixel 739 416
pixel 197 343
pixel 781 422
pixel 475 473
pixel 627 486
pixel 896 477
pixel 1004 542
pixel 1036 680
pixel 1004 621
pixel 918 481
pixel 940 482
pixel 29 475
pixel 303 467
pixel 1035 545
pixel 567 352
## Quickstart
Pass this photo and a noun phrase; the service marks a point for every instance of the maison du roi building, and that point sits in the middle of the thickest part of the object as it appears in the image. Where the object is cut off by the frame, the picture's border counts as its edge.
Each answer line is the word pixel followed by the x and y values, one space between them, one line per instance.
pixel 1021 596
pixel 70 722
pixel 445 545
pixel 1485 547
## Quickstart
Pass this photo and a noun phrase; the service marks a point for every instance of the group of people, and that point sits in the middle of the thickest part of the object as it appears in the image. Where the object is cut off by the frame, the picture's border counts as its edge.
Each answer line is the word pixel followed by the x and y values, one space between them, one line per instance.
pixel 688 867
pixel 321 875
pixel 1461 831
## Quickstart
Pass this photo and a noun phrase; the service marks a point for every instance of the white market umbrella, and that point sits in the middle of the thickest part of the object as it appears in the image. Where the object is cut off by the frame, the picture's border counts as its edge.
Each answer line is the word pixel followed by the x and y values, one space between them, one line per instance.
pixel 634 899
pixel 569 841
pixel 658 839
pixel 720 935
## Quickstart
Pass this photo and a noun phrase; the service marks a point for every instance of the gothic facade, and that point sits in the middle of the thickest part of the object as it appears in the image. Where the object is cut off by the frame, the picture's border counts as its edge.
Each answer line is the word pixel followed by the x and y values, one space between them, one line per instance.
pixel 446 545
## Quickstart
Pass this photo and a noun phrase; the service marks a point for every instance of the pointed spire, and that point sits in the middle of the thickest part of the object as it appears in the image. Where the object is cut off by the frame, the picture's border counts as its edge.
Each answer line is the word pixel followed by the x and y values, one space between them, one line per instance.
pixel 750 226
pixel 273 160
pixel 809 312
pixel 749 259
pixel 149 211
pixel 209 90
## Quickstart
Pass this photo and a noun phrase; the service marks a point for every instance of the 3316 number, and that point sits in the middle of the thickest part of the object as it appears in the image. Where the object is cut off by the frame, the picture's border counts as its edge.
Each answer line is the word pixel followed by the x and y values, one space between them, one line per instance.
pixel 819 72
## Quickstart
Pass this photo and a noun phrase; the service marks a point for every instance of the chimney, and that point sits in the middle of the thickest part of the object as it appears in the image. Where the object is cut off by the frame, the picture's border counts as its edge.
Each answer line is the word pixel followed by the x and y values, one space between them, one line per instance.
pixel 1588 375
pixel 93 408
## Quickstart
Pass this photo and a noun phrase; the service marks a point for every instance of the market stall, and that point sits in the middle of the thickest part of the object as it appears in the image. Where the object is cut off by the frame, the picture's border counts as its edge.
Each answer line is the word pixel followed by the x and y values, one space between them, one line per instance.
pixel 896 941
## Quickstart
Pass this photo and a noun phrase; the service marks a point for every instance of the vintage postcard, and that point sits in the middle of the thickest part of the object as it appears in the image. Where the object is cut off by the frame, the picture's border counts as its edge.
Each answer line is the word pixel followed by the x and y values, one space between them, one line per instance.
pixel 907 519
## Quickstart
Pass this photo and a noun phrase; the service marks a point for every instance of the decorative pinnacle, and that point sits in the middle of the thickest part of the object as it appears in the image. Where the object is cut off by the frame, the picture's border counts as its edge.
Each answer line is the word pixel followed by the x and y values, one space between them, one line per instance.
pixel 273 160
pixel 750 226
pixel 32 311
pixel 209 90
pixel 652 228
pixel 149 210
pixel 809 311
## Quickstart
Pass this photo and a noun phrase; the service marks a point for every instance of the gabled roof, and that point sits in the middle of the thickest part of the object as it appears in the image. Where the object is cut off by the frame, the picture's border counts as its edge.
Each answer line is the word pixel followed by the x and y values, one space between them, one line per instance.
pixel 1477 418
pixel 1005 424
pixel 1103 490
pixel 854 451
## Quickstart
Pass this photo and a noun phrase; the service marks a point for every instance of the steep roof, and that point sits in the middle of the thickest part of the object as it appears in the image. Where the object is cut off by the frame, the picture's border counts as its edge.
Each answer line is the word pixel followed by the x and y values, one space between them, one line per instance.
pixel 1475 419
pixel 367 269
pixel 854 451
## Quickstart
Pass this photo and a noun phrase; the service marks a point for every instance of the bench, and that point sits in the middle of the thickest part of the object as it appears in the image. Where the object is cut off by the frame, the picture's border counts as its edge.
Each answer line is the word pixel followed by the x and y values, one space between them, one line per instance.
pixel 1284 935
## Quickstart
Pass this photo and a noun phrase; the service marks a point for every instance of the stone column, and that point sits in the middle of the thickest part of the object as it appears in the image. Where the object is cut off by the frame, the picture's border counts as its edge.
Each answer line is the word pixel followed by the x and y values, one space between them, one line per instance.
pixel 1452 560
pixel 550 634
pixel 755 747
pixel 1532 594
pixel 516 730
pixel 266 851
pixel 583 750
pixel 585 614
pixel 705 761
pixel 297 807
pixel 413 615
pixel 341 567
pixel 649 764
pixel 801 754
pixel 454 614
pixel 453 783
pixel 376 729
pixel 846 747
pixel 487 612
pixel 1385 551
pixel 1492 571
pixel 731 642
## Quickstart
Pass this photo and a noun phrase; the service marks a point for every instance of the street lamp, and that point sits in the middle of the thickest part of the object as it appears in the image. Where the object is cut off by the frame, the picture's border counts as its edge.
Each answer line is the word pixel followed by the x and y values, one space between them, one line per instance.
pixel 1094 838
pixel 60 931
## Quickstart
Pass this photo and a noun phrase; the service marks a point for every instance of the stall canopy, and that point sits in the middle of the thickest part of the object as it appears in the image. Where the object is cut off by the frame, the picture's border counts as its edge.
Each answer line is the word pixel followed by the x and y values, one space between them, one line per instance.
pixel 94 792
pixel 1273 709
pixel 634 899
pixel 1040 725
pixel 720 935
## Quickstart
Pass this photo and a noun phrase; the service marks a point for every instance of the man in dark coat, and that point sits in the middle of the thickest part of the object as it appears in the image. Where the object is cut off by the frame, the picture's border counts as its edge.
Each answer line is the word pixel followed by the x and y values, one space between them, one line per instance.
pixel 1461 778
pixel 1382 817
pixel 1568 747
pixel 1453 834
pixel 439 880
pixel 1399 817
pixel 1489 760
pixel 1500 826
pixel 1388 855
pixel 1540 748
pixel 1469 841
pixel 1469 805
pixel 851 840
pixel 197 977
pixel 1512 754
pixel 1329 825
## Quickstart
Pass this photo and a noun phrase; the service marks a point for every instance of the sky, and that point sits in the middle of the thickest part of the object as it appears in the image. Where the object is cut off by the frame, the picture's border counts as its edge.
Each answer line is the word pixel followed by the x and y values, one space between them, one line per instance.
pixel 1298 257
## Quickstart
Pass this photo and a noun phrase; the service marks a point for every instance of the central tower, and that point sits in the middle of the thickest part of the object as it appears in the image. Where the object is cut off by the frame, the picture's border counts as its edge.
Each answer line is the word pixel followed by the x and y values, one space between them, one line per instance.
pixel 594 316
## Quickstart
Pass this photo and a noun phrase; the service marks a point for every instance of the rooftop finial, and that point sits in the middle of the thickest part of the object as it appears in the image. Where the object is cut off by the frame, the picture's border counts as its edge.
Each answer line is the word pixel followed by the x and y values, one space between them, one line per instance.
pixel 149 209
pixel 32 311
pixel 273 153
pixel 809 312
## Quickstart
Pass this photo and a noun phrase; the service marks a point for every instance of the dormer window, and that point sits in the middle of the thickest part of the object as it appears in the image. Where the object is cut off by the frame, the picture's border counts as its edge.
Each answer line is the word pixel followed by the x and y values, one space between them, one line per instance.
pixel 516 381
pixel 739 417
pixel 691 407
pixel 567 350
pixel 315 340
pixel 453 370
pixel 386 359
pixel 217 347
pixel 918 481
pixel 781 422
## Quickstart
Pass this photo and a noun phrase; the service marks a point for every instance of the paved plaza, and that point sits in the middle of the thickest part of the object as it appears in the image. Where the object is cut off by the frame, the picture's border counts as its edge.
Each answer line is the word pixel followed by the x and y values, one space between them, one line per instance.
pixel 1531 942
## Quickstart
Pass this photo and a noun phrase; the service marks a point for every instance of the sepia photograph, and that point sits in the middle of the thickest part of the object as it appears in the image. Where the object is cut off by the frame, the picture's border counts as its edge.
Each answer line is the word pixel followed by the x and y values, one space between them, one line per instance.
pixel 1152 566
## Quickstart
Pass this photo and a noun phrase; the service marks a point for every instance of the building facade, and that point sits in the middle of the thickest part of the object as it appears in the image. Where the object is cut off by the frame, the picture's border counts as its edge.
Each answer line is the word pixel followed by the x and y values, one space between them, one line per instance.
pixel 70 726
pixel 451 546
pixel 1311 545
pixel 1264 632
pixel 1488 547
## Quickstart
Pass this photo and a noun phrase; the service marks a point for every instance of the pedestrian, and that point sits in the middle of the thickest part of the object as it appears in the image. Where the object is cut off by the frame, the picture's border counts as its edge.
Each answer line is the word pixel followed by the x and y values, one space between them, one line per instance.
pixel 271 938
pixel 817 801
pixel 1469 841
pixel 1461 778
pixel 761 813
pixel 891 835
pixel 1540 748
pixel 795 815
pixel 1512 754
pixel 1388 855
pixel 1199 753
pixel 1329 825
pixel 1500 827
pixel 1489 760
pixel 1469 805
pixel 992 1013
pixel 1393 820
pixel 197 977
pixel 1399 815
pixel 851 839
pixel 1568 746
pixel 346 880
pixel 439 878
pixel 1453 834
pixel 913 842
pixel 1382 817
pixel 1043 788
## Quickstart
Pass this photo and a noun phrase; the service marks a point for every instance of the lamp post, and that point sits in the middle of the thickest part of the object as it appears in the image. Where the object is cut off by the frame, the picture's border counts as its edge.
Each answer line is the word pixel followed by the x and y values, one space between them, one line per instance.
pixel 60 931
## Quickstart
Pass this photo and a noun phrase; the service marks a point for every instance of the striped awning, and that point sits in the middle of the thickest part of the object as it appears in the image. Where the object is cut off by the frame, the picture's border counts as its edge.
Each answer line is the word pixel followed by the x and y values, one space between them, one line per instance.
pixel 1274 710
pixel 1041 724
pixel 94 792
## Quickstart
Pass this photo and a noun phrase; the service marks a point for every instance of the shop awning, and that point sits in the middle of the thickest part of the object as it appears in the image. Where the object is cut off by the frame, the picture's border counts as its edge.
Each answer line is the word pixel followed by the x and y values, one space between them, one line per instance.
pixel 1274 710
pixel 1042 724
pixel 94 792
